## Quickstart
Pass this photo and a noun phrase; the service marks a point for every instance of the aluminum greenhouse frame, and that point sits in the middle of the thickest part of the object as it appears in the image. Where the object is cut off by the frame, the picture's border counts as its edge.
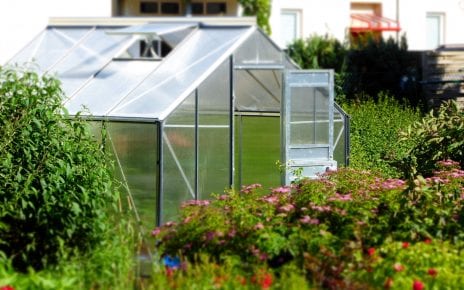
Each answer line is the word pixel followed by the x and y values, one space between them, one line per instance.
pixel 192 108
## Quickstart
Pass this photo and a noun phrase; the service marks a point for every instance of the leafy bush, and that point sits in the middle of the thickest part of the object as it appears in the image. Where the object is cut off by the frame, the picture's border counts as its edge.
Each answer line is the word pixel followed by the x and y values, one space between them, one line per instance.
pixel 54 182
pixel 374 133
pixel 438 136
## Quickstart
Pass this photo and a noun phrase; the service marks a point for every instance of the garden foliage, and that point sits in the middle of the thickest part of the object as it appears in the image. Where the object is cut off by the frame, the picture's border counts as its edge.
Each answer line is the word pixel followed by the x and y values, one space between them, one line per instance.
pixel 55 186
pixel 438 136
pixel 374 133
pixel 338 229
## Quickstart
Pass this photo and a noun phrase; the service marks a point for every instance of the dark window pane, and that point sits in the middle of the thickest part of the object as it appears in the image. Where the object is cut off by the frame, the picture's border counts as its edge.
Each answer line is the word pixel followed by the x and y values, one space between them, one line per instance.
pixel 148 7
pixel 170 8
pixel 197 8
pixel 216 8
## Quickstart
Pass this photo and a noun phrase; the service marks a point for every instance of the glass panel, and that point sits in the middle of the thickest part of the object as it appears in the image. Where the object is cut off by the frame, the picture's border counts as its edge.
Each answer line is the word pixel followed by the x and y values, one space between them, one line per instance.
pixel 88 58
pixel 178 159
pixel 214 132
pixel 258 49
pixel 321 116
pixel 177 76
pixel 50 46
pixel 302 116
pixel 258 90
pixel 135 150
pixel 339 138
pixel 257 150
pixel 109 86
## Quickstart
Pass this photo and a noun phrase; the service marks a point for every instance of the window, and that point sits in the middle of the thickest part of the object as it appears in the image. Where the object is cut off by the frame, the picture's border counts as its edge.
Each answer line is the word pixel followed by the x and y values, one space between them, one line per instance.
pixel 290 26
pixel 216 8
pixel 170 8
pixel 197 8
pixel 148 7
pixel 434 30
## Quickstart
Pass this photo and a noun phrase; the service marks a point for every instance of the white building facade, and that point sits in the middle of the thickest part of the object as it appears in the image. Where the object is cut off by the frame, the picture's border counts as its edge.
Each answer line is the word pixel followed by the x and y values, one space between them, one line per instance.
pixel 427 24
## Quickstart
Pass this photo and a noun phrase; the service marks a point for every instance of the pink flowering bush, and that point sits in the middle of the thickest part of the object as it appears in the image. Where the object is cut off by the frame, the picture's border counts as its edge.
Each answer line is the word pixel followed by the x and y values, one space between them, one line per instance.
pixel 345 229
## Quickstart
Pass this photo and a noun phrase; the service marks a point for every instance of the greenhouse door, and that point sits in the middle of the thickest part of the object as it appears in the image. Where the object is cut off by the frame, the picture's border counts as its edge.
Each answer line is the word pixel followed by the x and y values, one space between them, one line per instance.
pixel 307 123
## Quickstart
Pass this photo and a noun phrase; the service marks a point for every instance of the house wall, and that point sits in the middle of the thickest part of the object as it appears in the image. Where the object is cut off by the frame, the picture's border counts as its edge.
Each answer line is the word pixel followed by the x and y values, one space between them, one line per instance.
pixel 21 20
pixel 332 17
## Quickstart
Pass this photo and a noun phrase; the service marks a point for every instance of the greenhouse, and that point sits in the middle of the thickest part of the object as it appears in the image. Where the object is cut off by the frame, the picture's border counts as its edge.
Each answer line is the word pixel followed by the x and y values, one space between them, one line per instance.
pixel 191 109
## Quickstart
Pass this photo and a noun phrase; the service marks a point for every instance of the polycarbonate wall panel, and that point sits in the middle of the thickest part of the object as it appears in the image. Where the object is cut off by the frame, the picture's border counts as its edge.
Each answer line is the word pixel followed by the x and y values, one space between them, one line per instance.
pixel 302 117
pixel 321 114
pixel 110 86
pixel 177 76
pixel 339 138
pixel 258 49
pixel 178 159
pixel 214 132
pixel 135 152
pixel 258 90
pixel 257 148
pixel 92 54
pixel 50 46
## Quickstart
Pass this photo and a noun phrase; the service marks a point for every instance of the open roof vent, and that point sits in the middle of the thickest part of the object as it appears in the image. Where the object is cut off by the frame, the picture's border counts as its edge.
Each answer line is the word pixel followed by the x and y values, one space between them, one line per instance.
pixel 152 41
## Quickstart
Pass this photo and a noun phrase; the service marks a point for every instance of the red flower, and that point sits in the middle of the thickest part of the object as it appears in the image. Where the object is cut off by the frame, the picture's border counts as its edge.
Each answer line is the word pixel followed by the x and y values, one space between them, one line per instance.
pixel 266 282
pixel 417 285
pixel 388 283
pixel 427 241
pixel 371 251
pixel 405 245
pixel 432 272
pixel 7 287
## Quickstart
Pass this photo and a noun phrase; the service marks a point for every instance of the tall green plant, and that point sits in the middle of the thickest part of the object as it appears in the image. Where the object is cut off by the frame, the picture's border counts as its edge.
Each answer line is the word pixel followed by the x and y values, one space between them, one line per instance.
pixel 262 10
pixel 318 52
pixel 55 186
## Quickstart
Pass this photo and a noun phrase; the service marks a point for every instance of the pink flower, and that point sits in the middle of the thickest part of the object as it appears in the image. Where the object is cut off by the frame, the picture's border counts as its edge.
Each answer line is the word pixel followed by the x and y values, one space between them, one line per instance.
pixel 417 285
pixel 7 287
pixel 154 233
pixel 272 199
pixel 281 190
pixel 250 188
pixel 287 208
pixel 307 220
pixel 258 226
pixel 432 272
pixel 398 267
pixel 223 197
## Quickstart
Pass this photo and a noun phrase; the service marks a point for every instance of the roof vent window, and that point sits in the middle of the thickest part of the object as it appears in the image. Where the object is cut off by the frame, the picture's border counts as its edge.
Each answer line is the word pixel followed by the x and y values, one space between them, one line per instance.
pixel 148 48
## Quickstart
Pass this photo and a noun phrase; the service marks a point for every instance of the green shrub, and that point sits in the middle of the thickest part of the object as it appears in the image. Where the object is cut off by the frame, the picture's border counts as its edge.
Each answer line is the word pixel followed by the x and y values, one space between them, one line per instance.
pixel 374 133
pixel 438 136
pixel 55 186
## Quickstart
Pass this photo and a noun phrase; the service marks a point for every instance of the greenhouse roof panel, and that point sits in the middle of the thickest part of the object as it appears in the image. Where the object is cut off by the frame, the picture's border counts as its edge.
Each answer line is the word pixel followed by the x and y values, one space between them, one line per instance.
pixel 181 72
